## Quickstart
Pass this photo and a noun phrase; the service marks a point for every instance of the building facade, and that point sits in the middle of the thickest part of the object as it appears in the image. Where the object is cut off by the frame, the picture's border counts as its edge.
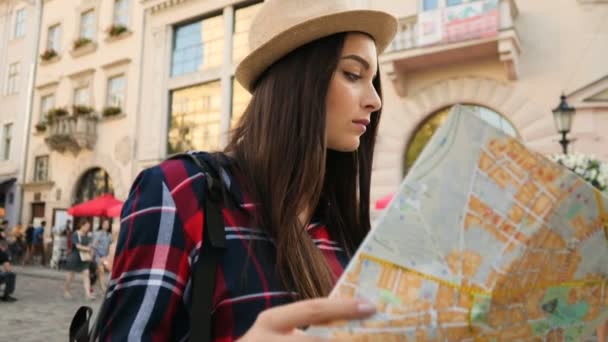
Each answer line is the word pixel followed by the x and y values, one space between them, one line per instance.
pixel 509 59
pixel 123 84
pixel 18 35
pixel 85 102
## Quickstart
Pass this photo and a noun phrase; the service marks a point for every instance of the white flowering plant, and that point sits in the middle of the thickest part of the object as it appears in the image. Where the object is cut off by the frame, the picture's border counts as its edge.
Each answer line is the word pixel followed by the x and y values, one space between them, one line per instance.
pixel 589 168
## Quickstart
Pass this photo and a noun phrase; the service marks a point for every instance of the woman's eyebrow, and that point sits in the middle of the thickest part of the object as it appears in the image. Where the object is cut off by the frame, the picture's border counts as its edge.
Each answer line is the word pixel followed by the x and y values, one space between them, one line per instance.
pixel 358 59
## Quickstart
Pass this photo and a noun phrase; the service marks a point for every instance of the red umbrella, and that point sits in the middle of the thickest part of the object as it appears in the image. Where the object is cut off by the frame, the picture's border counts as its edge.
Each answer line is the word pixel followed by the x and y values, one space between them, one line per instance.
pixel 96 207
pixel 114 211
pixel 384 201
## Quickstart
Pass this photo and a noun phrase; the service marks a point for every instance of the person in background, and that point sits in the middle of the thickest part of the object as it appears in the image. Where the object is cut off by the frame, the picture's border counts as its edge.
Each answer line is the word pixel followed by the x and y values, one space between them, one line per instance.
pixel 3 233
pixel 102 238
pixel 7 277
pixel 29 238
pixel 37 244
pixel 76 262
pixel 18 247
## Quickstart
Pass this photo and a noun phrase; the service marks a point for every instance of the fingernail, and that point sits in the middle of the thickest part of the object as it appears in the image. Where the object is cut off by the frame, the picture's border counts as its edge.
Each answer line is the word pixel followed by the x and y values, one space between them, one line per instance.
pixel 365 307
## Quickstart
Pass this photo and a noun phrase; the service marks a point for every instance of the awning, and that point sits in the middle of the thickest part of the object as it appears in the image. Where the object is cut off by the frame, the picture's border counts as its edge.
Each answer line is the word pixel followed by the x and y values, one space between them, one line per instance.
pixel 5 182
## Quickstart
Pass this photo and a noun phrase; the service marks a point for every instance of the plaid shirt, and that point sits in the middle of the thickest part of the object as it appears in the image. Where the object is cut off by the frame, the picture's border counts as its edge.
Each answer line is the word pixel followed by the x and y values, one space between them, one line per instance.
pixel 149 292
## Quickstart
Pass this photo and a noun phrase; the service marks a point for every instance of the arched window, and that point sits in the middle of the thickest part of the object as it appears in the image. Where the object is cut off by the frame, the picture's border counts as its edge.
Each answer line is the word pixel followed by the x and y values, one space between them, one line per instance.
pixel 424 133
pixel 95 182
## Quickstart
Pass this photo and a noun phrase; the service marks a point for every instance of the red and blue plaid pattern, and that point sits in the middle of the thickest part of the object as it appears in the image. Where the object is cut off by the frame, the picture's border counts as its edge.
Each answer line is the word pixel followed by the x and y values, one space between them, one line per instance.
pixel 149 292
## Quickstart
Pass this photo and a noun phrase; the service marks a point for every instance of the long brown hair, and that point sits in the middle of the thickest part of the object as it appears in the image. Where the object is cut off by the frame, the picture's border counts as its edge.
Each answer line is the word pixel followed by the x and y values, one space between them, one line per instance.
pixel 280 147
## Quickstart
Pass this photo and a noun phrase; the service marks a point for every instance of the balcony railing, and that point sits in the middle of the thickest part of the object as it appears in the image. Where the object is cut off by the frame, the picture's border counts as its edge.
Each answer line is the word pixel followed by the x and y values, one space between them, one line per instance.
pixel 72 133
pixel 473 20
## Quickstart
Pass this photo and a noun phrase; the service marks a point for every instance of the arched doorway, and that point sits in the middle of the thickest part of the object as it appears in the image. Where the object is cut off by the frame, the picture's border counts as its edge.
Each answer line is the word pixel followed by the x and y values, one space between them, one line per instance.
pixel 426 130
pixel 93 183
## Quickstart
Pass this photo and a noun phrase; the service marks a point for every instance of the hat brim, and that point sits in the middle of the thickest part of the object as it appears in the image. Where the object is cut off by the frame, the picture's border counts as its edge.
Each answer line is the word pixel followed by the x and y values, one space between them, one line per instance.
pixel 381 26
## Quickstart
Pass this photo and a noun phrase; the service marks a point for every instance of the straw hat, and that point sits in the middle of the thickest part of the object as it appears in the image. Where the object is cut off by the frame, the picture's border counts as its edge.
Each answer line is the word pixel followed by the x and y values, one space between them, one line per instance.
pixel 282 26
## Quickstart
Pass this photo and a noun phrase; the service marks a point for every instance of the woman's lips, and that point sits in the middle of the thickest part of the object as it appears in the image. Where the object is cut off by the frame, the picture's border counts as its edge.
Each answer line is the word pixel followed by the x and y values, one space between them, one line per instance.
pixel 361 124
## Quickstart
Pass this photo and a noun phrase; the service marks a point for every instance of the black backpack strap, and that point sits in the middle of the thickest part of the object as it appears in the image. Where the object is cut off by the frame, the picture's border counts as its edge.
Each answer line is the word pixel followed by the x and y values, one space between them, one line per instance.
pixel 203 280
pixel 214 242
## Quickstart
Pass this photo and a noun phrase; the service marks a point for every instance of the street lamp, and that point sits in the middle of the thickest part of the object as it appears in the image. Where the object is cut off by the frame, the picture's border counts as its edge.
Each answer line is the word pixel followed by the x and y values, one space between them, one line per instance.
pixel 562 115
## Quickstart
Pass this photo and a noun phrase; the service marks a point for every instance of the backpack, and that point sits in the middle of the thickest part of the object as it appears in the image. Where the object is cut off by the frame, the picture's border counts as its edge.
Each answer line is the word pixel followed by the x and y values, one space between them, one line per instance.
pixel 203 276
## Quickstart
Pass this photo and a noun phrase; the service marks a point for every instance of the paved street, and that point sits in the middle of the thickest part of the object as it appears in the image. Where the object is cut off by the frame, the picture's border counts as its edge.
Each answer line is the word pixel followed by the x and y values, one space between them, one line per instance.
pixel 41 313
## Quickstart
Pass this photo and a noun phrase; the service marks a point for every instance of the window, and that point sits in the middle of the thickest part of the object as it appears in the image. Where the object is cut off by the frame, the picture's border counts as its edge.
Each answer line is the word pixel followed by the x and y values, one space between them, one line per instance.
pixel 198 46
pixel 424 133
pixel 195 118
pixel 8 137
pixel 81 96
pixel 87 25
pixel 95 182
pixel 121 12
pixel 429 5
pixel 46 103
pixel 116 92
pixel 53 38
pixel 41 169
pixel 242 23
pixel 19 30
pixel 13 79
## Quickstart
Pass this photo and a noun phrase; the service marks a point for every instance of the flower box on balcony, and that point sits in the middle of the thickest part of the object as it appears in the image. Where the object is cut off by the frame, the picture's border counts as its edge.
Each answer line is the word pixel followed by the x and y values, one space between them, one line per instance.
pixel 111 112
pixel 83 46
pixel 55 113
pixel 49 56
pixel 80 42
pixel 78 110
pixel 116 30
pixel 40 127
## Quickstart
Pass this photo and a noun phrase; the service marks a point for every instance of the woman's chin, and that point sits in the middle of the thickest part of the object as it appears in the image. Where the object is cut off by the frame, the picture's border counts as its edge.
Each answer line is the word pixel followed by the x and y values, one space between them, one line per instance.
pixel 346 146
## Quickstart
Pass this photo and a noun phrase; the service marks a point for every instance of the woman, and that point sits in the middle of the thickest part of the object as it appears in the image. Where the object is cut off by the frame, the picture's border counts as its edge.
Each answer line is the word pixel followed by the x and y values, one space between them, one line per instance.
pixel 297 175
pixel 79 259
pixel 101 242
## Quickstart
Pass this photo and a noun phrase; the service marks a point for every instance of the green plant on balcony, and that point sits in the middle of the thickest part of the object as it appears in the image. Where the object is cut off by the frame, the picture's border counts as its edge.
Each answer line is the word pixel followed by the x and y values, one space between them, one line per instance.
pixel 111 111
pixel 80 42
pixel 48 54
pixel 80 110
pixel 55 113
pixel 41 127
pixel 116 30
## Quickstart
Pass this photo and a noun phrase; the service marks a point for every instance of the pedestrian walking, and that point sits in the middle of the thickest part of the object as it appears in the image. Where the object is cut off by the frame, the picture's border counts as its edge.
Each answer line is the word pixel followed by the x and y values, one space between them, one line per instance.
pixel 295 178
pixel 79 259
pixel 17 245
pixel 7 277
pixel 37 244
pixel 102 238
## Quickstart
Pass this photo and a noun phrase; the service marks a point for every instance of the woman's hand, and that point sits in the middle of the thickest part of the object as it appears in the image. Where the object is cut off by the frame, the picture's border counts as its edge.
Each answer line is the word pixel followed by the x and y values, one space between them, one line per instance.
pixel 282 322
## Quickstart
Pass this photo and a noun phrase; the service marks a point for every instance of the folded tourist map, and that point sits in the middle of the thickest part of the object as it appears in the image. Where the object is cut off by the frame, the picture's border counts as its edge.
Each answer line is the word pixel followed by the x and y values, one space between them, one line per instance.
pixel 485 240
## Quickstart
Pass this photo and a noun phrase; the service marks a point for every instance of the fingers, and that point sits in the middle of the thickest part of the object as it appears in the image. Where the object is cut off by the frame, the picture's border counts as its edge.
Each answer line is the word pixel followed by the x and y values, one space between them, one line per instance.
pixel 286 318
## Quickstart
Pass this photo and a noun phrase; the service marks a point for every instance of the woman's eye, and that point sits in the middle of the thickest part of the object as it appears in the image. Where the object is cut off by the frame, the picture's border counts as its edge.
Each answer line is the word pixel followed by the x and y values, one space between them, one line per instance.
pixel 351 77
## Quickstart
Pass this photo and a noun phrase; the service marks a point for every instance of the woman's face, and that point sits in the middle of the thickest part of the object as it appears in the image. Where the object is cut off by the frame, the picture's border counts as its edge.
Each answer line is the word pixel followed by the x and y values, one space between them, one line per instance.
pixel 85 227
pixel 105 225
pixel 352 98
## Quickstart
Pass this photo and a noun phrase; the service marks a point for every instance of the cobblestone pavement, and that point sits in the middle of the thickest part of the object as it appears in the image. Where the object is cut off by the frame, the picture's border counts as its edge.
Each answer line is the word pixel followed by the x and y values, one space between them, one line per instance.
pixel 41 313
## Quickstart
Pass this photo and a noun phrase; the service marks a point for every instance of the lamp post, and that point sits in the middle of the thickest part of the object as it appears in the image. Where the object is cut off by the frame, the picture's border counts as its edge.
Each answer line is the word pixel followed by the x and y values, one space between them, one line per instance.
pixel 563 115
